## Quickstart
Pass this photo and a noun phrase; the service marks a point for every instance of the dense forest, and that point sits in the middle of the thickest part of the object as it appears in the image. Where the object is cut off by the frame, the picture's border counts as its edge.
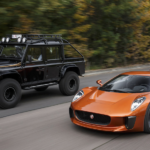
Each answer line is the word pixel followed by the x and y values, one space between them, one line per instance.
pixel 108 33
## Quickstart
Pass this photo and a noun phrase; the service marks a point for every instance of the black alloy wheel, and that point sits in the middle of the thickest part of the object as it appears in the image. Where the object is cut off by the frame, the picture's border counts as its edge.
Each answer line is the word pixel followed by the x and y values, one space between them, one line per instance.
pixel 10 94
pixel 72 84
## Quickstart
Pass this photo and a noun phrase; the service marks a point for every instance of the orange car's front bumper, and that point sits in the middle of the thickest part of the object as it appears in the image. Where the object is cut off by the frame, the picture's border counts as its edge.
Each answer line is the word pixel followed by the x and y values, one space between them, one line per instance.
pixel 98 127
pixel 117 124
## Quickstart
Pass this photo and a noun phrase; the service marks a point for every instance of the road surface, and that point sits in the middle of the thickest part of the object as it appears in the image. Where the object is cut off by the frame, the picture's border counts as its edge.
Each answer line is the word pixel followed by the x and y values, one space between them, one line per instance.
pixel 41 122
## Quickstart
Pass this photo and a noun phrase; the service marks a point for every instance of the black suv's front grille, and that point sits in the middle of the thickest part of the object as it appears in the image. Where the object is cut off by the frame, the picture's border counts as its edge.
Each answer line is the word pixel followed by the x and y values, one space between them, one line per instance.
pixel 92 117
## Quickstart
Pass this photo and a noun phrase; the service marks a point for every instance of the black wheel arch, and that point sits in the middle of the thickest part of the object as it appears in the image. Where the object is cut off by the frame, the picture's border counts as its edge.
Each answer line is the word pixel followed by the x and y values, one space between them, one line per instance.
pixel 70 67
pixel 11 74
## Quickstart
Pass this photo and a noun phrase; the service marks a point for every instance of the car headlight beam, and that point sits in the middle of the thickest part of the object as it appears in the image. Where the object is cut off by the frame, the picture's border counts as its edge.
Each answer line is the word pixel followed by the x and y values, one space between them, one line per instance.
pixel 78 95
pixel 137 103
pixel 7 39
pixel 3 39
pixel 19 39
pixel 24 40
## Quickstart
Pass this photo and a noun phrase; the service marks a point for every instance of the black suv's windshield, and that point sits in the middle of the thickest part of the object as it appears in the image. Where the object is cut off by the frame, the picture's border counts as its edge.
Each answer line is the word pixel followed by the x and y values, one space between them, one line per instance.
pixel 128 84
pixel 16 51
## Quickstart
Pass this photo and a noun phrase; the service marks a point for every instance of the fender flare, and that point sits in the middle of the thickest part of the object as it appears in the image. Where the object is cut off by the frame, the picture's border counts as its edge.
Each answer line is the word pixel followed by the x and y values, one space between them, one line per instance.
pixel 65 67
pixel 11 74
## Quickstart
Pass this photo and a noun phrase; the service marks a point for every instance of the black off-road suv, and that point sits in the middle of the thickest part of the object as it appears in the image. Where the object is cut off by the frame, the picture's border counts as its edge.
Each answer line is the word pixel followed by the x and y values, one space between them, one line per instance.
pixel 36 62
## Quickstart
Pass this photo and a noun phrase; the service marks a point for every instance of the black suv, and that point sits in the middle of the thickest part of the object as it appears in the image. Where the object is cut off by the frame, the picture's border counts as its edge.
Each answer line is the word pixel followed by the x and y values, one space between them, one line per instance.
pixel 36 62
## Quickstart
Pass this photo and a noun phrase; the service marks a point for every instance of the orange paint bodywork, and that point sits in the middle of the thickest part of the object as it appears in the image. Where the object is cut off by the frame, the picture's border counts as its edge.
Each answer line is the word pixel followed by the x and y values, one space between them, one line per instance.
pixel 115 105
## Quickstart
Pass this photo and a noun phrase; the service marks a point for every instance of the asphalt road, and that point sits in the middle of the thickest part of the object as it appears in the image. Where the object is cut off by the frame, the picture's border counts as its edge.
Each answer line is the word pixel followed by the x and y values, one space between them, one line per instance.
pixel 51 129
pixel 41 122
pixel 32 100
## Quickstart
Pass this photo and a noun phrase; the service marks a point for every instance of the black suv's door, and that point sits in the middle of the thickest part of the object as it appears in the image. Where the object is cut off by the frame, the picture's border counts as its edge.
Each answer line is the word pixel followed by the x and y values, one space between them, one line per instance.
pixel 53 62
pixel 34 69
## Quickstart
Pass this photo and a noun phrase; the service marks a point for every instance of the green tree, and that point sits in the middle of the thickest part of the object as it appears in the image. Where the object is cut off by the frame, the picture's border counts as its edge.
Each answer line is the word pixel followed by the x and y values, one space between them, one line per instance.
pixel 139 49
pixel 108 33
pixel 111 30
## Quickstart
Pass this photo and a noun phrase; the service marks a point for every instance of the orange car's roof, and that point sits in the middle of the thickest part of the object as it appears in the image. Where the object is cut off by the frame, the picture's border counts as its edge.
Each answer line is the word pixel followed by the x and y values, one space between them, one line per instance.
pixel 142 73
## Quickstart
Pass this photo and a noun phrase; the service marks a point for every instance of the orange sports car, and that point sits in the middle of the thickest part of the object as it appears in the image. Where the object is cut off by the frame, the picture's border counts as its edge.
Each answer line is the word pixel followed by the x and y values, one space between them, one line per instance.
pixel 121 104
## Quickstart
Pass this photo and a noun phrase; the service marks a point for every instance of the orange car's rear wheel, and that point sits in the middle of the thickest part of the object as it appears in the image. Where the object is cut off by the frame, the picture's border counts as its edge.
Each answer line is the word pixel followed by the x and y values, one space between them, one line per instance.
pixel 147 120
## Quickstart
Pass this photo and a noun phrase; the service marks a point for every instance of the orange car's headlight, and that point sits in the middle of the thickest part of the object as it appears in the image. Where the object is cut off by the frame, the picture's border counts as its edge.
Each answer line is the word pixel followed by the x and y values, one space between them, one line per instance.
pixel 78 95
pixel 137 103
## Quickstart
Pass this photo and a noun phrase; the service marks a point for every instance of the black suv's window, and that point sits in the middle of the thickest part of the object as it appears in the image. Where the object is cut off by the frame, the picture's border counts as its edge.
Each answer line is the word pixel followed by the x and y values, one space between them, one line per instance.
pixel 71 52
pixel 52 52
pixel 13 51
pixel 35 53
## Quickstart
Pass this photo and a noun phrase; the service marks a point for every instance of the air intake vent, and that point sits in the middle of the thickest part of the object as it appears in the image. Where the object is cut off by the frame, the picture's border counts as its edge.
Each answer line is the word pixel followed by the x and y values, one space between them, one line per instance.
pixel 92 118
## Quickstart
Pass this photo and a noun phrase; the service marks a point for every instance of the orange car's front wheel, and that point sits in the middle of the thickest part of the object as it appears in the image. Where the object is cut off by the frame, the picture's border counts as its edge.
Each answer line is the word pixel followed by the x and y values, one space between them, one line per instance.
pixel 147 120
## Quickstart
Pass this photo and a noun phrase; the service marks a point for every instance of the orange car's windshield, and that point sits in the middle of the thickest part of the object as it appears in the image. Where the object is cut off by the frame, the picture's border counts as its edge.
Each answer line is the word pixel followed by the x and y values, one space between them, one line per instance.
pixel 128 84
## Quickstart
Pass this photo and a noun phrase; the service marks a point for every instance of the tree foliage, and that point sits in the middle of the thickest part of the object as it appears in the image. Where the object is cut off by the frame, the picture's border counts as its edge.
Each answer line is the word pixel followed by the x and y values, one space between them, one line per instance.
pixel 139 49
pixel 108 33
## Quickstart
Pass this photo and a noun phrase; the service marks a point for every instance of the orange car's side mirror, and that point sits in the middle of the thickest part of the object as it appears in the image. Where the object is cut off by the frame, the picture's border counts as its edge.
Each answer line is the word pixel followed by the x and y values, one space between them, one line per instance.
pixel 99 82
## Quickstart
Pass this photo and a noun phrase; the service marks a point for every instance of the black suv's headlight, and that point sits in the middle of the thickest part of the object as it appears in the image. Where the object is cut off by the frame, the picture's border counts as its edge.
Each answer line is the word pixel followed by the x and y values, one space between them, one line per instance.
pixel 78 95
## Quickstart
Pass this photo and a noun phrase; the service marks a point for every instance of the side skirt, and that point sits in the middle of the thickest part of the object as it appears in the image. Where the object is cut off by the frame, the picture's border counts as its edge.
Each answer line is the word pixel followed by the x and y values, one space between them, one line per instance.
pixel 38 86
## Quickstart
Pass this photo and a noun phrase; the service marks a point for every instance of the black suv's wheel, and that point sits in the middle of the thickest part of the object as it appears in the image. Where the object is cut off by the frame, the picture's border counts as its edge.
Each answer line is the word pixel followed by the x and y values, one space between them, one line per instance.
pixel 10 93
pixel 41 89
pixel 147 120
pixel 69 84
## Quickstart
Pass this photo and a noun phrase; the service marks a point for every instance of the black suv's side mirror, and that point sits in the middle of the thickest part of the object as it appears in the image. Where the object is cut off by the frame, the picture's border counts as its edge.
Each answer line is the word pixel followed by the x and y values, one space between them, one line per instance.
pixel 29 58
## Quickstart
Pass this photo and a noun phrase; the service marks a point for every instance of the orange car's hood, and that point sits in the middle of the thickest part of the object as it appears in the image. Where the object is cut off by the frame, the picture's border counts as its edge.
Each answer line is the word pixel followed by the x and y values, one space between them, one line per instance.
pixel 107 97
pixel 103 102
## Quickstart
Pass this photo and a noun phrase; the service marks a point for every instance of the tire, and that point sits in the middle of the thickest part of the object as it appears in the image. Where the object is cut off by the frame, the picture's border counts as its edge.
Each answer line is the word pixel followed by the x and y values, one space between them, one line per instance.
pixel 69 84
pixel 10 93
pixel 41 89
pixel 147 120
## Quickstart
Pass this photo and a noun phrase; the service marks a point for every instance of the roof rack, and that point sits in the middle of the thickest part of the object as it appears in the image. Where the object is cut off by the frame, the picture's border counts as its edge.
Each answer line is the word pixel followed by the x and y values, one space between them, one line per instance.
pixel 33 38
pixel 41 36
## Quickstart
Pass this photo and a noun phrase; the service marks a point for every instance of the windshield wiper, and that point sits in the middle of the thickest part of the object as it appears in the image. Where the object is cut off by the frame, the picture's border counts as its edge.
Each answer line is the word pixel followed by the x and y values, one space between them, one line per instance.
pixel 119 91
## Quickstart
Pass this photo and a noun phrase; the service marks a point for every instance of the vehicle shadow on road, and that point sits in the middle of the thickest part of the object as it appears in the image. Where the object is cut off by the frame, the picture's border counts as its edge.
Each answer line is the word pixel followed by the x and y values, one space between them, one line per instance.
pixel 50 97
pixel 125 135
pixel 34 95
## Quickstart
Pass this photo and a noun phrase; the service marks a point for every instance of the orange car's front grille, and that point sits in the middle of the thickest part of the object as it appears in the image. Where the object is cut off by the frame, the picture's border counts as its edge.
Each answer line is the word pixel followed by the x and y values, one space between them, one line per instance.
pixel 92 117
